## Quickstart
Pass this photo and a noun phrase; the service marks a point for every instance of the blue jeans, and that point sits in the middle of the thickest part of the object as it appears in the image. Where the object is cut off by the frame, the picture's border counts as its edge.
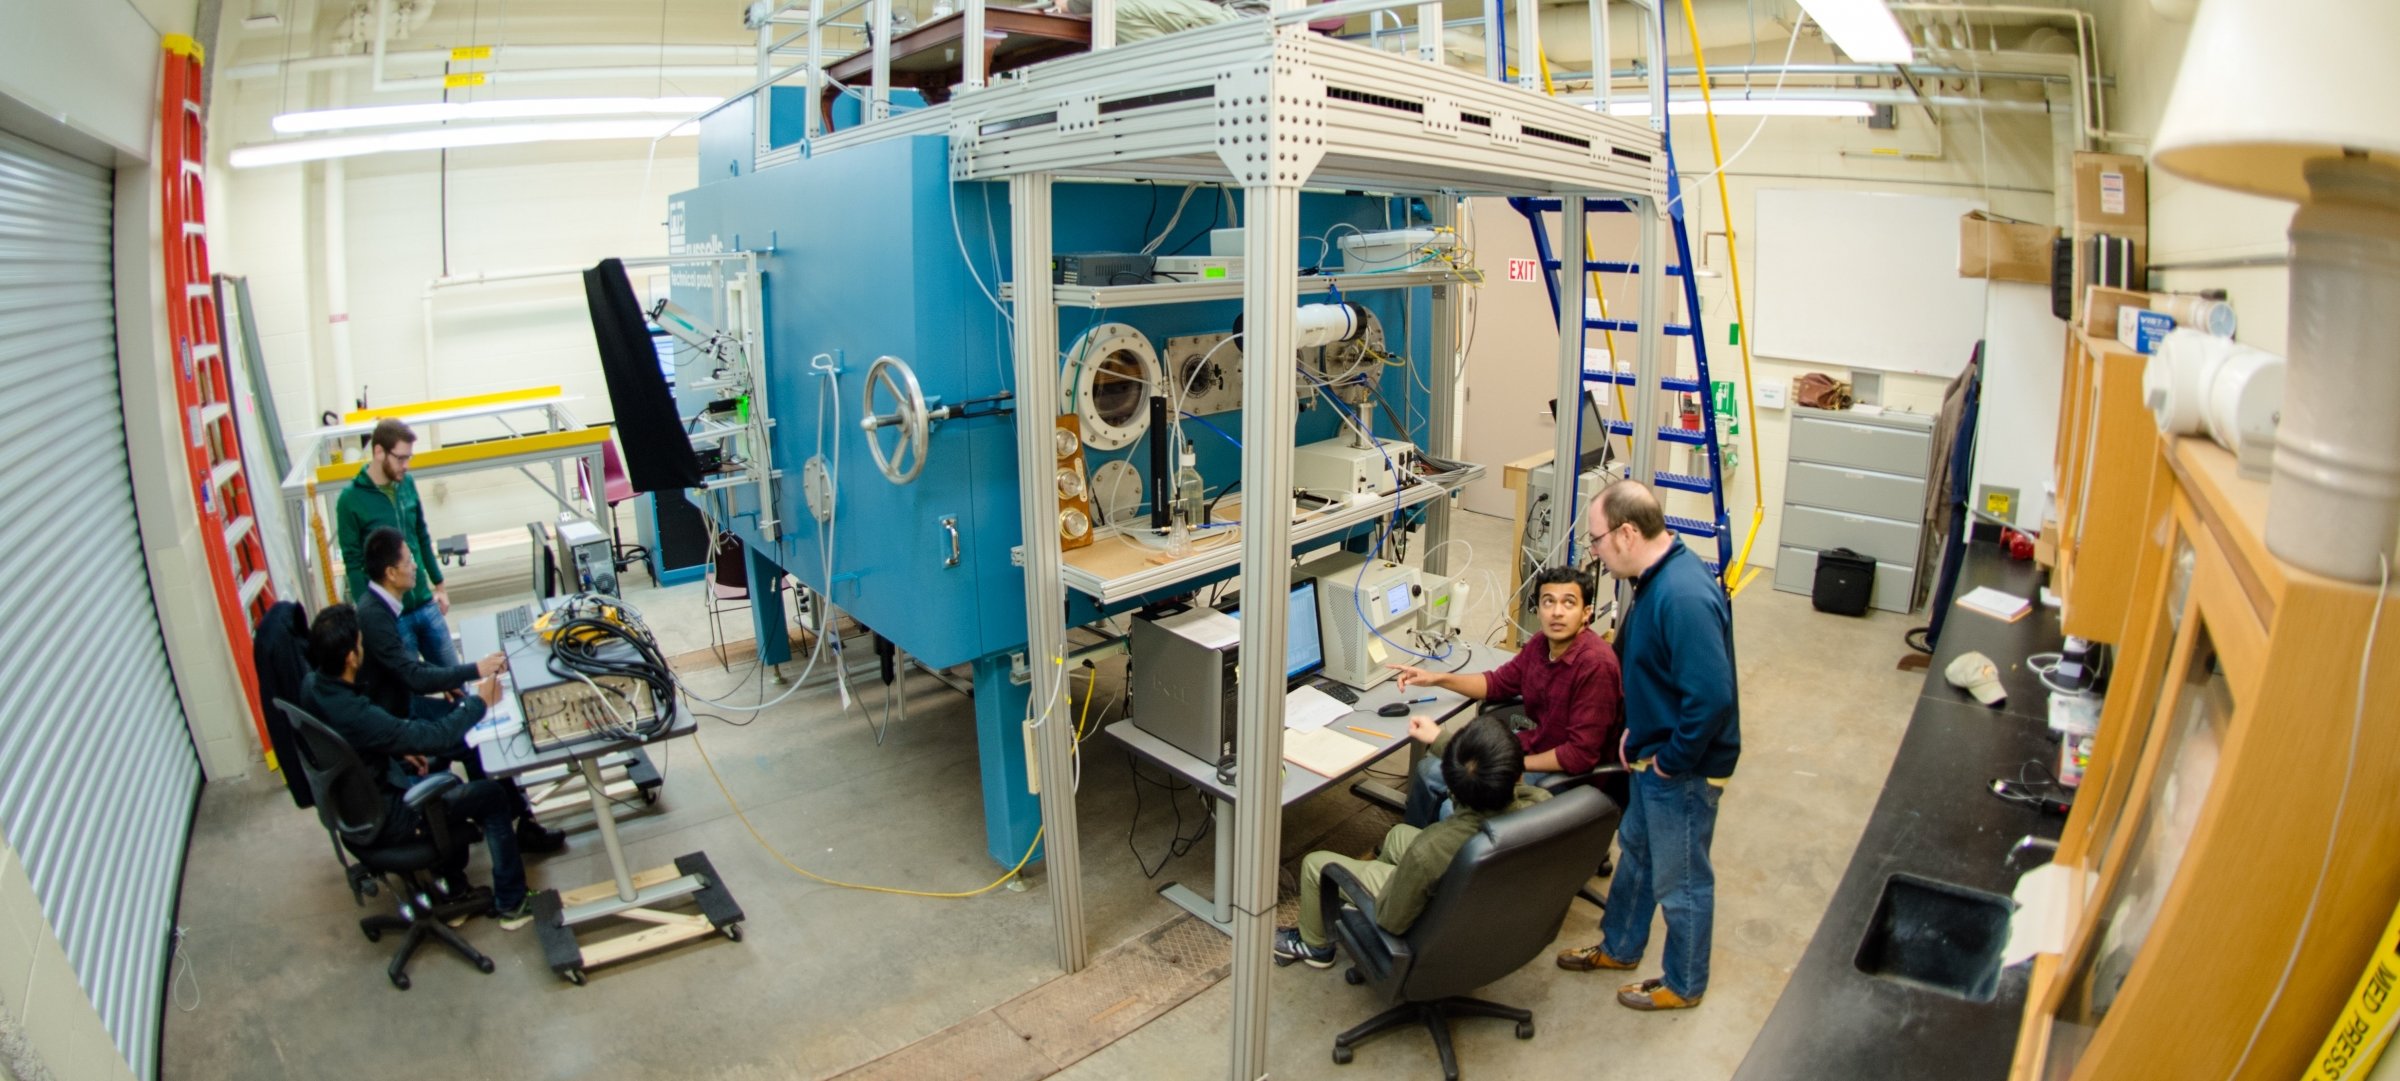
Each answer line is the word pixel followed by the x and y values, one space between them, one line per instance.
pixel 423 630
pixel 1429 796
pixel 494 805
pixel 1662 849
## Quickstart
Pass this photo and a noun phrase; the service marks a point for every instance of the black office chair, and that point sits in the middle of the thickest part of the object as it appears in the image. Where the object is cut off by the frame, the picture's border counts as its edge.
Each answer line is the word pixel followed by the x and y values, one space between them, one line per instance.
pixel 1497 907
pixel 1611 778
pixel 352 807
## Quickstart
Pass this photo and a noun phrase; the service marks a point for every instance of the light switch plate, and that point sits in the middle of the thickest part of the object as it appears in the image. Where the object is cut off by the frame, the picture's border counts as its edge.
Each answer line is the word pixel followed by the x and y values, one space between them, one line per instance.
pixel 1770 396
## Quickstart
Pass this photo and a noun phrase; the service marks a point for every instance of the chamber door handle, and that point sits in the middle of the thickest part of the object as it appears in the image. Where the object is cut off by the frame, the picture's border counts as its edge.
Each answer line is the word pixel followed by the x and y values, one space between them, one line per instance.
pixel 950 525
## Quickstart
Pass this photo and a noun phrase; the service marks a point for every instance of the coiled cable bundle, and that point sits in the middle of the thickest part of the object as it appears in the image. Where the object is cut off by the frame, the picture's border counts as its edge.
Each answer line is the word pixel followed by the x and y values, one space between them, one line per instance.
pixel 582 632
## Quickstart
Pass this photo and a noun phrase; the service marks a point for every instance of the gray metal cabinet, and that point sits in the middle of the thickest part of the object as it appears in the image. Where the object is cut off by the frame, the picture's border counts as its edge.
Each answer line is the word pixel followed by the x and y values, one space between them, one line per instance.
pixel 1856 481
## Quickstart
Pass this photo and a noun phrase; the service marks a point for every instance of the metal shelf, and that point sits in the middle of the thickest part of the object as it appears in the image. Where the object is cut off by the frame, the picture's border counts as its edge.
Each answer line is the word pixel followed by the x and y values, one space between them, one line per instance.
pixel 1150 578
pixel 1135 296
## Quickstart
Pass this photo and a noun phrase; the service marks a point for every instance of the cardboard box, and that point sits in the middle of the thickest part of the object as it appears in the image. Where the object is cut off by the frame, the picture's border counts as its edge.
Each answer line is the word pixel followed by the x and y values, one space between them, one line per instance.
pixel 2003 249
pixel 2112 196
pixel 2141 329
pixel 2100 304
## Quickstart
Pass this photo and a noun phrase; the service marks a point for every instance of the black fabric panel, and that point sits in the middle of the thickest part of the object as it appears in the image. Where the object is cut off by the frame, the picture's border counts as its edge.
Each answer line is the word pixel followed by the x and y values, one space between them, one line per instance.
pixel 658 455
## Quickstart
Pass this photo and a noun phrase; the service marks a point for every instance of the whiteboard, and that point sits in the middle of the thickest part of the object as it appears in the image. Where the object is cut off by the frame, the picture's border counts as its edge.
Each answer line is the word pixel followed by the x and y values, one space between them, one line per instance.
pixel 1854 279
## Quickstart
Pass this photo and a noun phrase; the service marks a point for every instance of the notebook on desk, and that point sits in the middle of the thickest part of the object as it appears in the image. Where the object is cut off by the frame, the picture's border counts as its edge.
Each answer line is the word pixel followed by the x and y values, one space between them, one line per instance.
pixel 1324 751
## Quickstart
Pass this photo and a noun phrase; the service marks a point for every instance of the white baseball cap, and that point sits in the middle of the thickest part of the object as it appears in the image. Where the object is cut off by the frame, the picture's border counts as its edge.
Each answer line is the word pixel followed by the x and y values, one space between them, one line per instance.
pixel 1975 674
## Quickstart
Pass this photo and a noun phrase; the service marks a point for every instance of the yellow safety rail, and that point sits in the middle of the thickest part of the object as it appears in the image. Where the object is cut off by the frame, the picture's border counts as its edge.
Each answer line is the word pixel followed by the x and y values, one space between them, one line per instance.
pixel 442 404
pixel 463 453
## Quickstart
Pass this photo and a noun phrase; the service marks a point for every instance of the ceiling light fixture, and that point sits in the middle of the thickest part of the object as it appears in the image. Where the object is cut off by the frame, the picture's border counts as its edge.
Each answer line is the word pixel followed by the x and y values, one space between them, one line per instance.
pixel 1865 29
pixel 437 112
pixel 447 138
pixel 1747 107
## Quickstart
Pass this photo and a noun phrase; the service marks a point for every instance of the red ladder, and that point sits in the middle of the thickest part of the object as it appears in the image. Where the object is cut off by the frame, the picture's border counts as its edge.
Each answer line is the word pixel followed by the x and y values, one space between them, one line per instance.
pixel 237 555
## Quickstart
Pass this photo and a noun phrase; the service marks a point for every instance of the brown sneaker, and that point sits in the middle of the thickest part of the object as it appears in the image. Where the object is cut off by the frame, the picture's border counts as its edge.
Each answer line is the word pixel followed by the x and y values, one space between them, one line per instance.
pixel 1591 959
pixel 1652 995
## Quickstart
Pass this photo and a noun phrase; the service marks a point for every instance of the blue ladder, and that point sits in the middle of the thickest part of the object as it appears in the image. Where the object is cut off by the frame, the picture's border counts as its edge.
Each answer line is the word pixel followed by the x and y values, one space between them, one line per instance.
pixel 1709 485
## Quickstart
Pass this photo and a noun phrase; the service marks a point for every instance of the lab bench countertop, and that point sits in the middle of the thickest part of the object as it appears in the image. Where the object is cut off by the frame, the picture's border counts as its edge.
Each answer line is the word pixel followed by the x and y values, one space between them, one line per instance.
pixel 1936 819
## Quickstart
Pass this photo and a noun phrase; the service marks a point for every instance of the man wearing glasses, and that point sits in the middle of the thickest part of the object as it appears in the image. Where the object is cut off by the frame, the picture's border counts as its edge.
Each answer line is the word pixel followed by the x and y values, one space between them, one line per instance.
pixel 1683 734
pixel 383 494
pixel 1567 677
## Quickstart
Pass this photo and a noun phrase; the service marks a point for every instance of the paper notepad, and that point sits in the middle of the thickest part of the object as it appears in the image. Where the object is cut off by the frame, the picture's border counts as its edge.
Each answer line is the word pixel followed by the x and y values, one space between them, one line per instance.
pixel 1306 707
pixel 2006 607
pixel 1322 750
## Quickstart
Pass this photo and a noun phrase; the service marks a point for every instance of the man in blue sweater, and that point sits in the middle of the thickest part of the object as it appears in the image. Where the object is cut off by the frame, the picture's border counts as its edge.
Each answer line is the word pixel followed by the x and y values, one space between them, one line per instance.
pixel 1682 736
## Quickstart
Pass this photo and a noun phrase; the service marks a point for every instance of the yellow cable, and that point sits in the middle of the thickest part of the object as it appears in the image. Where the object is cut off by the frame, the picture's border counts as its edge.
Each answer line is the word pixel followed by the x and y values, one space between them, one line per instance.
pixel 1091 690
pixel 1733 260
pixel 1598 293
pixel 806 873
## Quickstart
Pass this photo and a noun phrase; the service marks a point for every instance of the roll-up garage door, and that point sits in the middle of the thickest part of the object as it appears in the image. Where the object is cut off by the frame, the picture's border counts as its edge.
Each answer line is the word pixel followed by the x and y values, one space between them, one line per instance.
pixel 97 771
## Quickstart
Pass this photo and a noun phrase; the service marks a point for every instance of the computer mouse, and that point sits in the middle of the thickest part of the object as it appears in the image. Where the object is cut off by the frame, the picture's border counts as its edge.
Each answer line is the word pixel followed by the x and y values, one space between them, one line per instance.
pixel 1395 709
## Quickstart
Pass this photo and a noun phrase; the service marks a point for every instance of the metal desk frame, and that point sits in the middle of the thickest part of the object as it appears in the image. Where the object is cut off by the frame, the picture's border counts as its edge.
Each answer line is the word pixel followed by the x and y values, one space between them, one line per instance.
pixel 1298 784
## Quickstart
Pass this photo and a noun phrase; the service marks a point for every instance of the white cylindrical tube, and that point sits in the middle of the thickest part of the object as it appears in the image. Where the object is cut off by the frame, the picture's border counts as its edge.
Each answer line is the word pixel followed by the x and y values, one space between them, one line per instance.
pixel 1324 324
pixel 2334 506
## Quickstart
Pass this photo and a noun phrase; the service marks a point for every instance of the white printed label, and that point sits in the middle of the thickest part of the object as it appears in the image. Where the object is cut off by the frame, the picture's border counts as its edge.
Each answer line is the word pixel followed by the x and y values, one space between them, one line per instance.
pixel 2112 193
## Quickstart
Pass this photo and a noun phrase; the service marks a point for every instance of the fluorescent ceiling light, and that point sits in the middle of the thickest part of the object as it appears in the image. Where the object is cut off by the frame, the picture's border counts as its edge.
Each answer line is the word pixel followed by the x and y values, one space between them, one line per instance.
pixel 436 112
pixel 346 146
pixel 1747 107
pixel 1865 29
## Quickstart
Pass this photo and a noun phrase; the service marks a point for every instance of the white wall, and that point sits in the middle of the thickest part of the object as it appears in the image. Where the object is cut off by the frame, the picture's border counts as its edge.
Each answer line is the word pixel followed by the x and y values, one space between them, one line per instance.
pixel 560 204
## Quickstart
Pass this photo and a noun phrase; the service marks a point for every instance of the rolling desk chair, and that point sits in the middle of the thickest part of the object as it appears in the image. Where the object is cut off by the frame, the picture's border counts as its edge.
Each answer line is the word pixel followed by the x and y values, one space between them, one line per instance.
pixel 1612 779
pixel 1497 907
pixel 616 487
pixel 352 808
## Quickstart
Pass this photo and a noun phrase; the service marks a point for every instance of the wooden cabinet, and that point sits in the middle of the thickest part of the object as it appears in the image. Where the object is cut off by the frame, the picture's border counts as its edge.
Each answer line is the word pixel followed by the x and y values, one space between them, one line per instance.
pixel 2237 791
pixel 2108 461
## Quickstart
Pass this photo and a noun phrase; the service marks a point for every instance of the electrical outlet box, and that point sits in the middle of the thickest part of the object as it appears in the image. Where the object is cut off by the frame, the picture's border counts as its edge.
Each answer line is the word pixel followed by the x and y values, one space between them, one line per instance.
pixel 1997 501
pixel 1771 396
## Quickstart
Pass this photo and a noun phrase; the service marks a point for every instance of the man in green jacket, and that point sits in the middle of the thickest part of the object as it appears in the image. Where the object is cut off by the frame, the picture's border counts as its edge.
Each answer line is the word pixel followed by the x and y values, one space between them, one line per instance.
pixel 1482 765
pixel 383 494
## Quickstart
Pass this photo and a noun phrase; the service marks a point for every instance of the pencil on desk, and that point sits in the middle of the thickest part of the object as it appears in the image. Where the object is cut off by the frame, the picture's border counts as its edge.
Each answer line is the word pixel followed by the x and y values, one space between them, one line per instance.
pixel 1368 731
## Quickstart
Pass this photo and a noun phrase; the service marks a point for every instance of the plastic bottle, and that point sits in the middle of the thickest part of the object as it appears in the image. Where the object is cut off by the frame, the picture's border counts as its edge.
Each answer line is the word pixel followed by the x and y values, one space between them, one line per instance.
pixel 1189 511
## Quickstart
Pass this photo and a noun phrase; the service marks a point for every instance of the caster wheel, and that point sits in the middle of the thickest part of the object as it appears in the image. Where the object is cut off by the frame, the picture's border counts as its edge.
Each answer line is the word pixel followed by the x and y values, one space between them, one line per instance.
pixel 1341 1056
pixel 732 931
pixel 484 965
pixel 1353 977
pixel 373 935
pixel 400 980
pixel 574 976
pixel 1524 1030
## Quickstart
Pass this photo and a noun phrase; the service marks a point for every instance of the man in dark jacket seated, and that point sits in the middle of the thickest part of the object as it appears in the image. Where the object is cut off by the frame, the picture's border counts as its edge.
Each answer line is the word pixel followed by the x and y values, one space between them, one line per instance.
pixel 395 749
pixel 397 680
pixel 1482 764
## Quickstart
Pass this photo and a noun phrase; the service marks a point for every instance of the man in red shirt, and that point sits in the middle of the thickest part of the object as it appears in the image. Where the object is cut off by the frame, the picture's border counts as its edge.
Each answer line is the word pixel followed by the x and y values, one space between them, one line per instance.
pixel 1567 677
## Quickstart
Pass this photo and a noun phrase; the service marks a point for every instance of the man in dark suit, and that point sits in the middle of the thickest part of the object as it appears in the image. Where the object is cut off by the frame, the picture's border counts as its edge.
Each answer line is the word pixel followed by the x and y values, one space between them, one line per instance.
pixel 397 680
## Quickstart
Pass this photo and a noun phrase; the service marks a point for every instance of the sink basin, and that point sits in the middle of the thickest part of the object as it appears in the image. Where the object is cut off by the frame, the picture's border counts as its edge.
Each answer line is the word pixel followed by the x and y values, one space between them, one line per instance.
pixel 1937 935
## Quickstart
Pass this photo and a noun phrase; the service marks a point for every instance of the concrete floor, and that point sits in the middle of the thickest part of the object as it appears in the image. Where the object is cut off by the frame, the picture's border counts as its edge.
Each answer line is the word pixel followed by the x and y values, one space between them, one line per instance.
pixel 828 978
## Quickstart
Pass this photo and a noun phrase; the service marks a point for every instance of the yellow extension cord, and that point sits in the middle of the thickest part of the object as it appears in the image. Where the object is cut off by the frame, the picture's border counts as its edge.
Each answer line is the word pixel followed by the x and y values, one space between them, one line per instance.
pixel 1090 690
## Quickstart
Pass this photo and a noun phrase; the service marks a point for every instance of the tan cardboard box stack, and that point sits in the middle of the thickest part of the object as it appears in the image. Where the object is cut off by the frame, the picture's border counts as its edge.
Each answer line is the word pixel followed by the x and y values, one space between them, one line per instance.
pixel 2112 196
pixel 2003 249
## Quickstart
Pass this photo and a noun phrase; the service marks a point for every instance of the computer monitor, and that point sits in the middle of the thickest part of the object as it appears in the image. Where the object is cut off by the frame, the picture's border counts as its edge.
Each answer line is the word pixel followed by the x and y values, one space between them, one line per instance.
pixel 1304 643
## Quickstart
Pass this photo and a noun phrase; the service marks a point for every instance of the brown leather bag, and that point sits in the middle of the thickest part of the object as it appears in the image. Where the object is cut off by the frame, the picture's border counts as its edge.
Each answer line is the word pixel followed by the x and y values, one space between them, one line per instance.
pixel 1818 390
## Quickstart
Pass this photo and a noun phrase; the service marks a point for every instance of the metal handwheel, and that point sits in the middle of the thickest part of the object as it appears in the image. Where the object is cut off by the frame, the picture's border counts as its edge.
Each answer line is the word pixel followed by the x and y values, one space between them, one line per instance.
pixel 909 414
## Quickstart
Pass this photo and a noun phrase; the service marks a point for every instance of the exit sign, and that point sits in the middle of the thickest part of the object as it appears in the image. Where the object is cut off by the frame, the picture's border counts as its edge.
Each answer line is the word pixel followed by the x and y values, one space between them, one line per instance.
pixel 1524 270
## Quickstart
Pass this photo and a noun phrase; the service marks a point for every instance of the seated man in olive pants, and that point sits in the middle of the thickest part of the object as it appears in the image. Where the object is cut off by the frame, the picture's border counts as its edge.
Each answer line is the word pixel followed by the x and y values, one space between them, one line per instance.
pixel 1482 764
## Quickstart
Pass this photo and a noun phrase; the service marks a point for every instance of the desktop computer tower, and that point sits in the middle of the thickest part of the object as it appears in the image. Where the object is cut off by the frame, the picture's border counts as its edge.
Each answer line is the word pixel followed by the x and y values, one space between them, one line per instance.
pixel 1184 682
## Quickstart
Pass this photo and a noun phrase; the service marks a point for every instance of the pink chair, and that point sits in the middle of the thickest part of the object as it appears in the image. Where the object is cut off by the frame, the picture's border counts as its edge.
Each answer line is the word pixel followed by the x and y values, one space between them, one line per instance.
pixel 615 488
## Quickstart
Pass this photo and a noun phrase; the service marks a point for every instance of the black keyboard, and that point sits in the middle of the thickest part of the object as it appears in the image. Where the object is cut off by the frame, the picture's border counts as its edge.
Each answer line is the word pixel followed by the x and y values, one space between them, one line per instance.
pixel 514 621
pixel 1340 693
